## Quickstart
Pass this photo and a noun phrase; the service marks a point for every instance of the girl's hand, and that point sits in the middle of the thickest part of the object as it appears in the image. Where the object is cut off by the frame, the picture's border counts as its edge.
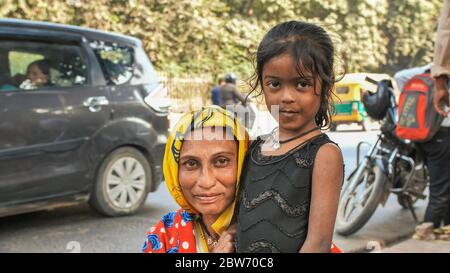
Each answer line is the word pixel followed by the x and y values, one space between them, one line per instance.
pixel 225 244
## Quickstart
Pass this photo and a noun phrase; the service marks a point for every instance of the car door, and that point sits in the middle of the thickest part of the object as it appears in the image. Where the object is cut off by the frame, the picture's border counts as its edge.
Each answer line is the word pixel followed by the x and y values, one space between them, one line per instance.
pixel 45 129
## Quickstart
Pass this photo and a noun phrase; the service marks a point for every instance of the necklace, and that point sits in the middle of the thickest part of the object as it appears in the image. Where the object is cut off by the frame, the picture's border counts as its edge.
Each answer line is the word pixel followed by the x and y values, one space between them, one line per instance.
pixel 276 144
pixel 275 159
pixel 210 240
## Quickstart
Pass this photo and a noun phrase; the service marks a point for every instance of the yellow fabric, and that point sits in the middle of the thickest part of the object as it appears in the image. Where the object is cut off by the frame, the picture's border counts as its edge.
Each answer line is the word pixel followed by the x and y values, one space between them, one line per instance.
pixel 212 116
pixel 200 239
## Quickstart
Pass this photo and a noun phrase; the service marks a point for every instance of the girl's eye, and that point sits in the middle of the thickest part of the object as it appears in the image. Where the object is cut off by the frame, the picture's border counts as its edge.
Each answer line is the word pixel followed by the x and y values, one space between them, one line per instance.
pixel 190 164
pixel 303 84
pixel 273 84
pixel 222 162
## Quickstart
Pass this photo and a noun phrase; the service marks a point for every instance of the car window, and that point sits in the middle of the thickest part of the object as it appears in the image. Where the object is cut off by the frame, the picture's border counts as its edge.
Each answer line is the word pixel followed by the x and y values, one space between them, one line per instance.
pixel 20 60
pixel 27 65
pixel 342 90
pixel 116 61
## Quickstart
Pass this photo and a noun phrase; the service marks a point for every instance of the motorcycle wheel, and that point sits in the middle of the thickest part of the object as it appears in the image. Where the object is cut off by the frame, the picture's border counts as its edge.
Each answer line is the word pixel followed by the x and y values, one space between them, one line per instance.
pixel 357 205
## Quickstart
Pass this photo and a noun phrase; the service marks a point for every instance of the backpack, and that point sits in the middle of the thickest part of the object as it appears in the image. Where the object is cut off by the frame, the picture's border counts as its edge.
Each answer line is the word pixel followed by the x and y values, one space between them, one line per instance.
pixel 418 120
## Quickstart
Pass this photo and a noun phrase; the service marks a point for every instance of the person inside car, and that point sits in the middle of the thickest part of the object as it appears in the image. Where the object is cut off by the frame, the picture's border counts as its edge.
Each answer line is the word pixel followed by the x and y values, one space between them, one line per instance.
pixel 38 75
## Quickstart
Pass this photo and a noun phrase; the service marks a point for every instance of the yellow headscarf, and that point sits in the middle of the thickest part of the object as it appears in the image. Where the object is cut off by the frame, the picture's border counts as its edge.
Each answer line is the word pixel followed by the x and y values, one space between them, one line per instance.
pixel 211 116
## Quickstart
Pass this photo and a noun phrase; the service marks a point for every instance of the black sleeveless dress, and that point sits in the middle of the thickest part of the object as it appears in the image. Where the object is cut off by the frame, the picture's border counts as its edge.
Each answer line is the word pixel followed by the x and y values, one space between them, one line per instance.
pixel 275 196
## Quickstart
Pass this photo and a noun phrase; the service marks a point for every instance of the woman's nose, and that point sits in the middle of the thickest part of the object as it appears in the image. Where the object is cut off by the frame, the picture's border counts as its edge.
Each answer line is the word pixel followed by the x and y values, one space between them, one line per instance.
pixel 207 178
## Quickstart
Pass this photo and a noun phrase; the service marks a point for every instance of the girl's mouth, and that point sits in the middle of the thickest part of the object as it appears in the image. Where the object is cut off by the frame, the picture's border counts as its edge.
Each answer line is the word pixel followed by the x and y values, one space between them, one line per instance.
pixel 288 113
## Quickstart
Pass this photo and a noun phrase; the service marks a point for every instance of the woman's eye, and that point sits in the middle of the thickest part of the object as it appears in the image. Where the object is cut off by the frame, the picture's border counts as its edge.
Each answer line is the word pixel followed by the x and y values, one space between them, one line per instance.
pixel 222 162
pixel 190 164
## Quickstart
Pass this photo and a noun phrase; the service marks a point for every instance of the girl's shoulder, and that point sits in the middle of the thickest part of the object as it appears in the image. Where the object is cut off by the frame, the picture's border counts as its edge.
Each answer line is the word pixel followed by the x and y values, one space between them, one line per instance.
pixel 326 145
pixel 321 142
pixel 326 148
pixel 329 157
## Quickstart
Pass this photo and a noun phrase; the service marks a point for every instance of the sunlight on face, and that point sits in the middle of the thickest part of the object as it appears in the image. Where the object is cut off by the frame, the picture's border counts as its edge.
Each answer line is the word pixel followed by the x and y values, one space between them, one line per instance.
pixel 298 97
pixel 208 172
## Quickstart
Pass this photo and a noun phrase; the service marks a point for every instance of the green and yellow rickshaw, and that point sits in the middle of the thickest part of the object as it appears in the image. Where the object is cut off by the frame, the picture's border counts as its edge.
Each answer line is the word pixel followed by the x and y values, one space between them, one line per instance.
pixel 347 102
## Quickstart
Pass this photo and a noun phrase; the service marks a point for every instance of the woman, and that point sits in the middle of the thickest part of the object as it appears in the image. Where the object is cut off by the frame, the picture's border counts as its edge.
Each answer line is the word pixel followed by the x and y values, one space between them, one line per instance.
pixel 202 165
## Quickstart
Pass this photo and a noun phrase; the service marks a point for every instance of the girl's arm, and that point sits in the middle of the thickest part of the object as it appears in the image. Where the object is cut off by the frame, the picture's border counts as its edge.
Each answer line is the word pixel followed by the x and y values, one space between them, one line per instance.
pixel 326 185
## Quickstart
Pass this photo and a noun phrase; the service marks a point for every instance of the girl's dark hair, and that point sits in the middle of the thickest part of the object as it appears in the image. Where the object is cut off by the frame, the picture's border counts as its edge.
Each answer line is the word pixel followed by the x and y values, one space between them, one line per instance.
pixel 43 65
pixel 311 49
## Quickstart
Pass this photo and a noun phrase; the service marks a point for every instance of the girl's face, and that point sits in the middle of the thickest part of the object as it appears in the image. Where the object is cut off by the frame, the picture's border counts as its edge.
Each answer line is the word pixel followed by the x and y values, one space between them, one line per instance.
pixel 207 172
pixel 295 95
pixel 36 76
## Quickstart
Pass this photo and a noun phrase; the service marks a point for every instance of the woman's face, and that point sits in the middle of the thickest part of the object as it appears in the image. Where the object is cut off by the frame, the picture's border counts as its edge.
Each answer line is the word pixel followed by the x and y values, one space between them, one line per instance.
pixel 36 76
pixel 207 171
pixel 296 97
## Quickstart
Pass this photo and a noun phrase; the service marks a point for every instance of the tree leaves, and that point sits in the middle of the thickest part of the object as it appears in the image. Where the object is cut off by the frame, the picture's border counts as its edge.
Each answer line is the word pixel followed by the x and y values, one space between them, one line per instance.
pixel 212 37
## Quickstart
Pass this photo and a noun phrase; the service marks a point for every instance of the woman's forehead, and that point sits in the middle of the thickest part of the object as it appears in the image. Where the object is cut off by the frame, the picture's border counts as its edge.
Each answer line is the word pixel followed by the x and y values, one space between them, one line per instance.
pixel 210 133
pixel 208 147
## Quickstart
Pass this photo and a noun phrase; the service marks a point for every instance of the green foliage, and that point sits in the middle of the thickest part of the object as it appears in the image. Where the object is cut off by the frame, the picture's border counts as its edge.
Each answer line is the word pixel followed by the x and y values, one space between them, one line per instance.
pixel 19 61
pixel 212 37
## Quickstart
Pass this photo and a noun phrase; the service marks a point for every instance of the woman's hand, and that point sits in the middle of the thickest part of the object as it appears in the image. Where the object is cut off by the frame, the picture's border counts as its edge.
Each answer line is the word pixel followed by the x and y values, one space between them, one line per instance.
pixel 225 244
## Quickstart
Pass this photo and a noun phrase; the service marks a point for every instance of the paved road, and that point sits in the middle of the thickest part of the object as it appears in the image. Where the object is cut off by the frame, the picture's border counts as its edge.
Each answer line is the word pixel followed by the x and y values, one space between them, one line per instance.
pixel 81 229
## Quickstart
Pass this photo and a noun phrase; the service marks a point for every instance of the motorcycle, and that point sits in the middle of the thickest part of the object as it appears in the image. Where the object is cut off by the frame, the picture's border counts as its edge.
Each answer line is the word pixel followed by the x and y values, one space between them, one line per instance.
pixel 392 165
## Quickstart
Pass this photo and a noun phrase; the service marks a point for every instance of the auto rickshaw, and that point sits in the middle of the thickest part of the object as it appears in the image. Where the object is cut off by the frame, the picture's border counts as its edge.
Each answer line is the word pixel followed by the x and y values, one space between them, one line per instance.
pixel 347 102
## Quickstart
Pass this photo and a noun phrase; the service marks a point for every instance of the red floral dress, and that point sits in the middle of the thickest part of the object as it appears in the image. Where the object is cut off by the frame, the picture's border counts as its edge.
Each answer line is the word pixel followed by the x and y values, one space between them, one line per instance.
pixel 174 233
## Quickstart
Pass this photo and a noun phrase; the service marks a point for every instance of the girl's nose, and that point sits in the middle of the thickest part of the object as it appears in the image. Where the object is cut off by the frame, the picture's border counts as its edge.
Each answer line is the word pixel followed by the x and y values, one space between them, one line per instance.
pixel 207 178
pixel 287 95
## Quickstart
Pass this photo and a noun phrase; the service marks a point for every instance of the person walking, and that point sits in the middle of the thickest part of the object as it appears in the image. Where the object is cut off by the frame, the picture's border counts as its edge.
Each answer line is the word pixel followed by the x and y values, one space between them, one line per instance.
pixel 437 150
pixel 215 92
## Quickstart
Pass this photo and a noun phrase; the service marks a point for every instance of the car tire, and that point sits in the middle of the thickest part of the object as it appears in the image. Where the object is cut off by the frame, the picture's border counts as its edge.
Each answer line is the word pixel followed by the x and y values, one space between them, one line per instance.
pixel 122 183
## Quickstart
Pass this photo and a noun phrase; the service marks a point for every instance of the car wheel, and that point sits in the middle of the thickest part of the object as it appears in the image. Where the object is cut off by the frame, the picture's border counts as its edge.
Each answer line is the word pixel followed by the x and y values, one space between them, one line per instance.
pixel 122 183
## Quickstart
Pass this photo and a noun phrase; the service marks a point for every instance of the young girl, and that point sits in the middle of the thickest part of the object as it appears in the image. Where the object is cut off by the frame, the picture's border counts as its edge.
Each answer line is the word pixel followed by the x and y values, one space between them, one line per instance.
pixel 38 75
pixel 292 177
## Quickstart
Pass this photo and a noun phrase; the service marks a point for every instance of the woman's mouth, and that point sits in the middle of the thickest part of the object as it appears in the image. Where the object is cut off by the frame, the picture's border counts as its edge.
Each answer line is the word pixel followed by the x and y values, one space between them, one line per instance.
pixel 207 198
